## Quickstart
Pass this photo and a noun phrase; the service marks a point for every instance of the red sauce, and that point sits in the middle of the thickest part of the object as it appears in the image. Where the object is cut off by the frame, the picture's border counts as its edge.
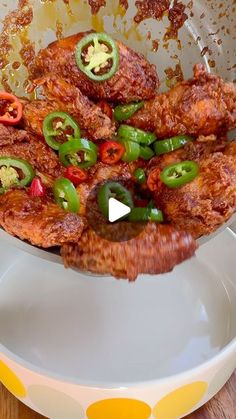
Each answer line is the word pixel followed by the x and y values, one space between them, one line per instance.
pixel 174 75
pixel 27 53
pixel 177 17
pixel 96 5
pixel 151 9
pixel 124 4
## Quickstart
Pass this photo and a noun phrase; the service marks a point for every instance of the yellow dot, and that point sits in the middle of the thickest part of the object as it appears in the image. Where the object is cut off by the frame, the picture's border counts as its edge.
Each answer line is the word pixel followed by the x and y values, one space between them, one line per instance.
pixel 11 381
pixel 181 401
pixel 119 409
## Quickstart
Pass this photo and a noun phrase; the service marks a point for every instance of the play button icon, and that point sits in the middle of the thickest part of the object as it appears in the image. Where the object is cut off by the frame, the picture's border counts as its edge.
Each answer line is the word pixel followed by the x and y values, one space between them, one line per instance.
pixel 115 225
pixel 117 210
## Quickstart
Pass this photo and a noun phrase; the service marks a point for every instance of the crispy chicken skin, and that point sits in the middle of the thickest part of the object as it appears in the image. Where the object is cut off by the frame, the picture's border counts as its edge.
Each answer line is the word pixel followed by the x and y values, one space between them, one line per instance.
pixel 38 220
pixel 135 79
pixel 19 143
pixel 62 96
pixel 203 205
pixel 156 250
pixel 200 106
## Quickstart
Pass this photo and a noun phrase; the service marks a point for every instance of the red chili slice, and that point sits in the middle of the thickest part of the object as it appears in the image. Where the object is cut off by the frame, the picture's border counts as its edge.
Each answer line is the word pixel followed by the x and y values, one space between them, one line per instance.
pixel 106 108
pixel 37 187
pixel 111 152
pixel 75 175
pixel 10 109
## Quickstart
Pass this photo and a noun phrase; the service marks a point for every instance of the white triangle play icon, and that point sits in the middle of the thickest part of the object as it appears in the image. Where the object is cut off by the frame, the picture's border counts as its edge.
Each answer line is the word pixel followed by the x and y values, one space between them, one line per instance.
pixel 117 210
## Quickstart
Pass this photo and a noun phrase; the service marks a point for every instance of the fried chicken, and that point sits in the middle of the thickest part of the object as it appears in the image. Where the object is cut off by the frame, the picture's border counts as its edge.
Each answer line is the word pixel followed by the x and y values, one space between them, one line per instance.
pixel 136 78
pixel 203 105
pixel 62 96
pixel 38 220
pixel 98 174
pixel 156 250
pixel 203 205
pixel 19 143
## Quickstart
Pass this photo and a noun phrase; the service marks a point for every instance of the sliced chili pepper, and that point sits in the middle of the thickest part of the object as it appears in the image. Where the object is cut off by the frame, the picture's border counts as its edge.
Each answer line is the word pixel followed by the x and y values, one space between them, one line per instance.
pixel 178 174
pixel 37 187
pixel 66 195
pixel 111 152
pixel 81 153
pixel 146 153
pixel 75 175
pixel 135 134
pixel 140 175
pixel 113 190
pixel 154 182
pixel 132 150
pixel 171 144
pixel 9 173
pixel 97 56
pixel 146 214
pixel 10 109
pixel 58 127
pixel 106 108
pixel 123 112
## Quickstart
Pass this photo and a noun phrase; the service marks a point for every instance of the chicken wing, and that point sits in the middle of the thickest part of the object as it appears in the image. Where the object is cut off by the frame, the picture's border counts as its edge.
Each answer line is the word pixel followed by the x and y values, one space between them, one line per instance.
pixel 62 96
pixel 135 79
pixel 19 143
pixel 156 250
pixel 200 106
pixel 38 220
pixel 203 205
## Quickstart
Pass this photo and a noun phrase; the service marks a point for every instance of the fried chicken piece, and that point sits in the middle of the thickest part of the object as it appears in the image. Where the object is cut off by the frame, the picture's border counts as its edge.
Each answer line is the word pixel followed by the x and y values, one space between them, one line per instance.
pixel 62 96
pixel 38 220
pixel 100 173
pixel 18 143
pixel 203 105
pixel 156 250
pixel 203 205
pixel 135 79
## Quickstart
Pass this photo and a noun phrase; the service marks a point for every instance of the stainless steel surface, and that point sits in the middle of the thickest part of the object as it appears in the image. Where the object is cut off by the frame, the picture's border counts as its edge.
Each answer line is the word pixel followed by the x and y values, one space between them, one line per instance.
pixel 208 36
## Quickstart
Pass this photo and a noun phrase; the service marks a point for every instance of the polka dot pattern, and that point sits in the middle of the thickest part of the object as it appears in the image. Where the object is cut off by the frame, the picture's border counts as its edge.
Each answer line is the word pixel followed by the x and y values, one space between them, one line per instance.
pixel 55 404
pixel 119 409
pixel 11 381
pixel 180 402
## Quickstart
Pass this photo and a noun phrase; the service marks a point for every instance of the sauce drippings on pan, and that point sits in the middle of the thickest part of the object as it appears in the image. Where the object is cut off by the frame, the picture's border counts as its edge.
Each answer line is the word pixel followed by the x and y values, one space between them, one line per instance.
pixel 177 17
pixel 96 5
pixel 124 4
pixel 151 9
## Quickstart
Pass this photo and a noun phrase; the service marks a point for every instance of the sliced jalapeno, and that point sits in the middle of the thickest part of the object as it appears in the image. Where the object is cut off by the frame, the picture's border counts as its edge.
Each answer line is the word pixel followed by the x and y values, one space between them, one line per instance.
pixel 97 56
pixel 81 153
pixel 171 144
pixel 135 134
pixel 66 195
pixel 123 112
pixel 178 174
pixel 113 190
pixel 61 126
pixel 10 177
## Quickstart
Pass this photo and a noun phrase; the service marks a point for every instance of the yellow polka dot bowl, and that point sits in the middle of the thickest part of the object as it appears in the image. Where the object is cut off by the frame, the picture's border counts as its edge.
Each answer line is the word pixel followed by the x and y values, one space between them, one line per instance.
pixel 79 347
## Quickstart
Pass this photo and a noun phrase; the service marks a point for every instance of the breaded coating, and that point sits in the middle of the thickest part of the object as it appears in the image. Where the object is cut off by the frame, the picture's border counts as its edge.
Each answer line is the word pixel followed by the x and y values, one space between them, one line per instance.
pixel 62 96
pixel 157 249
pixel 38 220
pixel 203 105
pixel 203 205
